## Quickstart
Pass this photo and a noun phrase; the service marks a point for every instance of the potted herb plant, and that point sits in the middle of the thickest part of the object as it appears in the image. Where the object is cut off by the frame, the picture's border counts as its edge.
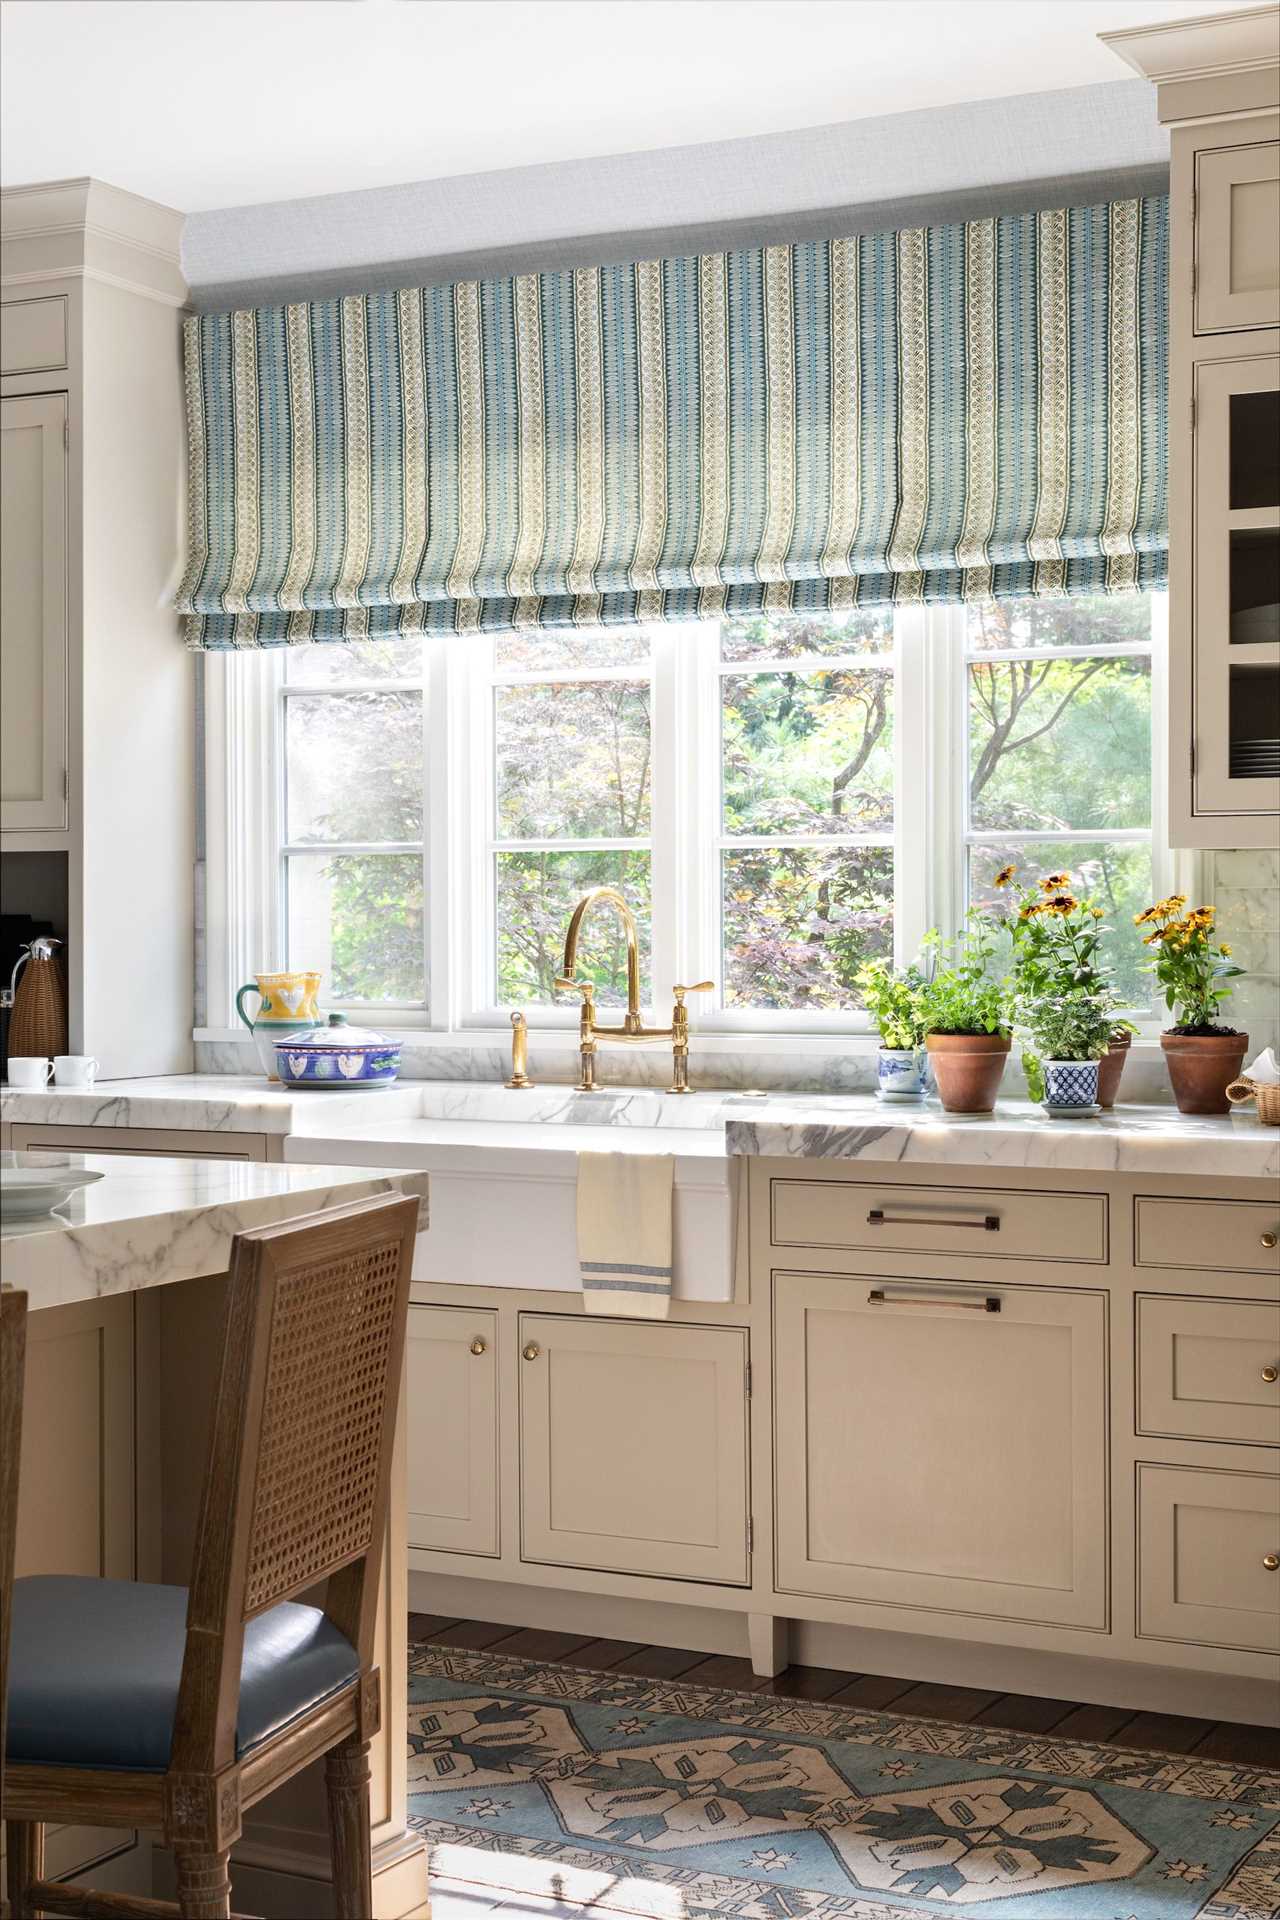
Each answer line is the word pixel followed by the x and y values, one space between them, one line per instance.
pixel 1064 1001
pixel 1195 971
pixel 896 997
pixel 967 1030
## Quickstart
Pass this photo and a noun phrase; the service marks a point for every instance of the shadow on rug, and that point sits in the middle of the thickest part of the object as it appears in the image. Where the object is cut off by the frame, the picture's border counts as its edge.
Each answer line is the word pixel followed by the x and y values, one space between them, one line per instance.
pixel 663 1799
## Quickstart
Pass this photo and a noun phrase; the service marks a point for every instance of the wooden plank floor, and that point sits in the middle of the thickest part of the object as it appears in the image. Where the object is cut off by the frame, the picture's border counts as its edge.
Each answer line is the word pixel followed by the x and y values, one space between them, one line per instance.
pixel 1024 1713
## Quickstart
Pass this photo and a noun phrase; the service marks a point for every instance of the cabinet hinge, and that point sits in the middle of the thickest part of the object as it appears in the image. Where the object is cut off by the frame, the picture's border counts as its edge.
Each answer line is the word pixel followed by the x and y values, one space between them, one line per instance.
pixel 1193 757
pixel 1193 413
pixel 66 431
pixel 748 1379
pixel 751 1534
pixel 66 784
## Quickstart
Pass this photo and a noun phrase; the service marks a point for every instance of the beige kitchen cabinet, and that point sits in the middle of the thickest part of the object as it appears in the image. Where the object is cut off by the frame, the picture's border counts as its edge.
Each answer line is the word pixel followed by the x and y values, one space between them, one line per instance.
pixel 1237 228
pixel 33 612
pixel 633 1447
pixel 182 1143
pixel 942 1445
pixel 451 1386
pixel 1208 1369
pixel 1209 1557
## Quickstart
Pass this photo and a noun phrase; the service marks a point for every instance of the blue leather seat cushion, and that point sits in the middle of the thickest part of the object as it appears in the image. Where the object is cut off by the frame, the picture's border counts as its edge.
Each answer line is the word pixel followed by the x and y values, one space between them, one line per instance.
pixel 94 1668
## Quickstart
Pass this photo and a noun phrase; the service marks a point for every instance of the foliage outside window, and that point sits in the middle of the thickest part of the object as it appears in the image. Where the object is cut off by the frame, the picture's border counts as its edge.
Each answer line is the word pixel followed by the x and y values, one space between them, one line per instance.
pixel 785 800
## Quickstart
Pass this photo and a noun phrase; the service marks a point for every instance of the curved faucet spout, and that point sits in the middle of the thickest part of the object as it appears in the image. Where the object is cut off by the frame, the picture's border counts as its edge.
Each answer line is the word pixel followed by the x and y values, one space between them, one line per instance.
pixel 609 896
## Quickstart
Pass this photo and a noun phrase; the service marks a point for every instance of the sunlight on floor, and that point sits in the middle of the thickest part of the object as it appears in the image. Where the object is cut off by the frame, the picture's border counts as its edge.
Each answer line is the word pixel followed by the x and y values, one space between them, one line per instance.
pixel 468 1882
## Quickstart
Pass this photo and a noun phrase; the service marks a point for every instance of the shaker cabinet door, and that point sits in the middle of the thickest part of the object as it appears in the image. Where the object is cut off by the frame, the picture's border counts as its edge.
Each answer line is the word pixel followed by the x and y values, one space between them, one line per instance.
pixel 451 1385
pixel 1238 237
pixel 33 612
pixel 942 1445
pixel 633 1447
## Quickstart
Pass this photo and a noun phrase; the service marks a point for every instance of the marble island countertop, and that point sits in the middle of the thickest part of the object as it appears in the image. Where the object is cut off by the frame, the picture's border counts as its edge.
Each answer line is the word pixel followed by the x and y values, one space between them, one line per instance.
pixel 430 1119
pixel 151 1220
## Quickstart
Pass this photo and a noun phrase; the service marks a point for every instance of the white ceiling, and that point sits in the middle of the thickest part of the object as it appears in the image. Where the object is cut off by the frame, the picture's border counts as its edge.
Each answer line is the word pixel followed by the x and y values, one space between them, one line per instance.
pixel 205 104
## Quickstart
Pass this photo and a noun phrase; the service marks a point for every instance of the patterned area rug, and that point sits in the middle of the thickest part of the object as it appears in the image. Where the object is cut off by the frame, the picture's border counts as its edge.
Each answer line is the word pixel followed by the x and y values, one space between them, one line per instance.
pixel 663 1799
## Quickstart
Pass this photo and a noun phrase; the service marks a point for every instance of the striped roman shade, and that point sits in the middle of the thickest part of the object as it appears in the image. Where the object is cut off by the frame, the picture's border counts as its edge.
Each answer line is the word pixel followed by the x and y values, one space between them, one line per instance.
pixel 941 413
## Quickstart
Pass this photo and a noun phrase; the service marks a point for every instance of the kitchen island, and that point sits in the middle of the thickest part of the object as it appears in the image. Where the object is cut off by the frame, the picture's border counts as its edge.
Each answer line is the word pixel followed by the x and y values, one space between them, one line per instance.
pixel 125 1285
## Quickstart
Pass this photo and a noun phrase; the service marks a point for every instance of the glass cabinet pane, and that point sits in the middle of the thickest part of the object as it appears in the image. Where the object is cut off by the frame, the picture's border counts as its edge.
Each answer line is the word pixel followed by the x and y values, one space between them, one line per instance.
pixel 1254 585
pixel 1255 450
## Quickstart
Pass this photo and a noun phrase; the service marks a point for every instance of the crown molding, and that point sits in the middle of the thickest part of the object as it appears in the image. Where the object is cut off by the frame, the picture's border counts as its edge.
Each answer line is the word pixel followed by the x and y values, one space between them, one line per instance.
pixel 87 226
pixel 1207 46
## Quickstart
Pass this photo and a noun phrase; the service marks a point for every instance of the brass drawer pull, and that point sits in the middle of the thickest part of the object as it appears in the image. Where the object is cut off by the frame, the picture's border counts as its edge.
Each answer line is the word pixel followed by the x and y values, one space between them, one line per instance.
pixel 532 1351
pixel 879 1298
pixel 1271 1375
pixel 989 1223
pixel 479 1346
pixel 1270 1240
pixel 1271 1561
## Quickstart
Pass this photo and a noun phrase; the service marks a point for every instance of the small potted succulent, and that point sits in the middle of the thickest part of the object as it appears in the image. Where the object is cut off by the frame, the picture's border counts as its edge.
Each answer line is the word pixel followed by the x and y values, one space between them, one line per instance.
pixel 1064 1000
pixel 1195 971
pixel 967 1027
pixel 896 997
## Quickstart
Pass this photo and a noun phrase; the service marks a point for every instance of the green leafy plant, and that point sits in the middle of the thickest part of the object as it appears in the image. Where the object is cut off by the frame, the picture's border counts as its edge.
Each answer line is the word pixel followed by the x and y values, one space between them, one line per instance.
pixel 965 992
pixel 1193 968
pixel 898 1000
pixel 1064 1000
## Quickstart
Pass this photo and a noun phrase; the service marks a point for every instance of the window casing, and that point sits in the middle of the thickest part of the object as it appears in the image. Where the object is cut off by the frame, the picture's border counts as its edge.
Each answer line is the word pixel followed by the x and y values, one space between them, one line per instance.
pixel 453 711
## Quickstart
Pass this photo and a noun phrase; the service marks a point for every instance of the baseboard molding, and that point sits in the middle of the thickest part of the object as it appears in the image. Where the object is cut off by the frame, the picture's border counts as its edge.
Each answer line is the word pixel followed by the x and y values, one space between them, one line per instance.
pixel 967 1663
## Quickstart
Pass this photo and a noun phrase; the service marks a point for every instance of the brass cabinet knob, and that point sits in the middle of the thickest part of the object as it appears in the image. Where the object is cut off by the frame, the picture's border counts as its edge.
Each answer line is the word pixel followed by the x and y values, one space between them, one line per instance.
pixel 479 1346
pixel 532 1351
pixel 1271 1561
pixel 1270 1240
pixel 1271 1375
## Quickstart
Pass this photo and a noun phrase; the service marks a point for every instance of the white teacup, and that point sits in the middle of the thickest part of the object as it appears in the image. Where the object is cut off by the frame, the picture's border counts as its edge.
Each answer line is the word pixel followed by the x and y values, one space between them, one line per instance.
pixel 29 1070
pixel 75 1069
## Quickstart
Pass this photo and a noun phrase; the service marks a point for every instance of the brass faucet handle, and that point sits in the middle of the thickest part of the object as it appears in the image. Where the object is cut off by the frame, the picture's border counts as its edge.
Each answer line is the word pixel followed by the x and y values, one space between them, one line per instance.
pixel 585 987
pixel 701 986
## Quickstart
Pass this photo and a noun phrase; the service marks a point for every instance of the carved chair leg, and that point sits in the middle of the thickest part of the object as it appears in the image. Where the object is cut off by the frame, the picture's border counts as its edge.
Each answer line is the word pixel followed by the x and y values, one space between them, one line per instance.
pixel 24 1856
pixel 346 1779
pixel 204 1890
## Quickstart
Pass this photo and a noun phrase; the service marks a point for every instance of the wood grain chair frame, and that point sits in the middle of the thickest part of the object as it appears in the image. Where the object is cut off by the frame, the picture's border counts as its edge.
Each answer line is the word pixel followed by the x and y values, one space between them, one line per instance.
pixel 296 1494
pixel 13 1355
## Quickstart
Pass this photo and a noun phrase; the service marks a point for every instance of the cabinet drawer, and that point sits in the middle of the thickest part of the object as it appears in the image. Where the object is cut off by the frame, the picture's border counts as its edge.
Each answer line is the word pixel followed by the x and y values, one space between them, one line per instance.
pixel 33 335
pixel 1237 237
pixel 1219 1236
pixel 995 1223
pixel 633 1447
pixel 1204 1538
pixel 1203 1368
pixel 451 1385
pixel 187 1143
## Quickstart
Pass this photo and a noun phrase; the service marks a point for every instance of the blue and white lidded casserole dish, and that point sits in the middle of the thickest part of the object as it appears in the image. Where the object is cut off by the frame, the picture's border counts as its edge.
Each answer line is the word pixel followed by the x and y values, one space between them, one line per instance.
pixel 337 1055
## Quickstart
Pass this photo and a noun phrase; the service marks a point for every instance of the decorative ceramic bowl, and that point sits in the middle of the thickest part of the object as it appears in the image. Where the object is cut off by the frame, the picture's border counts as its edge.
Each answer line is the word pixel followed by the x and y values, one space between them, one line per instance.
pixel 337 1055
pixel 28 1191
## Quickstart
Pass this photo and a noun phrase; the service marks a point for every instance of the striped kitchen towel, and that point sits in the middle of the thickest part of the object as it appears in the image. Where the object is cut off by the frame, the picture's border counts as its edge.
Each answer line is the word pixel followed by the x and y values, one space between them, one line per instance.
pixel 624 1233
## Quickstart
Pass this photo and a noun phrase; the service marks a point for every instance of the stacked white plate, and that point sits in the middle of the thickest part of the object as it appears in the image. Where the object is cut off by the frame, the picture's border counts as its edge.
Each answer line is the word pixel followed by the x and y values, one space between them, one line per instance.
pixel 1255 759
pixel 27 1191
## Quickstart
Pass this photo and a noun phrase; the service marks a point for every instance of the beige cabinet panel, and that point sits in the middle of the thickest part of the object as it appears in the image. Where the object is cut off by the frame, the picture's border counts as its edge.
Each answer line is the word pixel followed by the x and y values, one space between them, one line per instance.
pixel 33 612
pixel 633 1447
pixel 1208 1369
pixel 1204 1540
pixel 76 1493
pixel 885 1218
pixel 1237 238
pixel 451 1387
pixel 185 1144
pixel 33 335
pixel 1210 1236
pixel 939 1445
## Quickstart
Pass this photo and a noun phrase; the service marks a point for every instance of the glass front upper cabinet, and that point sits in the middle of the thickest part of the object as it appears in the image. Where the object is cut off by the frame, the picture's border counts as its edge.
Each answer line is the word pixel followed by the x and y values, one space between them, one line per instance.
pixel 1237 590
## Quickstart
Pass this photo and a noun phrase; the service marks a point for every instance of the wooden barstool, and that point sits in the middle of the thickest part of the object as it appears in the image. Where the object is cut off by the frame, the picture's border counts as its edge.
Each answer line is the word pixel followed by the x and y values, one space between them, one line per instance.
pixel 175 1709
pixel 13 1355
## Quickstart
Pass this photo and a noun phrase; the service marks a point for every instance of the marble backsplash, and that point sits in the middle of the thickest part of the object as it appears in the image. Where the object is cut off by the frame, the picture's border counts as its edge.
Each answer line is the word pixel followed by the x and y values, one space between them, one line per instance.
pixel 1245 888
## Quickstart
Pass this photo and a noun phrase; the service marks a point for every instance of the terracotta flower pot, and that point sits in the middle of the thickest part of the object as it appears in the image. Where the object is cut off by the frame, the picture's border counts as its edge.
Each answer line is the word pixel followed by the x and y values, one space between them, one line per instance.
pixel 1202 1067
pixel 1111 1066
pixel 967 1068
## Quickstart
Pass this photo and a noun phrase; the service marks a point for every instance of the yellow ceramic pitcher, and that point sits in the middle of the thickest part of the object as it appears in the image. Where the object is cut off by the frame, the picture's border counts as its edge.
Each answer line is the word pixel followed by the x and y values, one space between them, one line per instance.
pixel 286 1003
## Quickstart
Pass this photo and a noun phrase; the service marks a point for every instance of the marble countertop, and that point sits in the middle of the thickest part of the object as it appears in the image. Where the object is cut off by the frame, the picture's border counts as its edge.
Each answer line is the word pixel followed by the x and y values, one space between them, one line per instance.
pixel 152 1220
pixel 433 1118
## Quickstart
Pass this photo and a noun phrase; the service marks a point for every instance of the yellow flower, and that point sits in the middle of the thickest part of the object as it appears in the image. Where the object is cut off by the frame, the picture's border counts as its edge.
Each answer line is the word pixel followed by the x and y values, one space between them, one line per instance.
pixel 1004 876
pixel 1176 902
pixel 1063 903
pixel 1151 939
pixel 1055 881
pixel 1141 919
pixel 1097 912
pixel 1225 951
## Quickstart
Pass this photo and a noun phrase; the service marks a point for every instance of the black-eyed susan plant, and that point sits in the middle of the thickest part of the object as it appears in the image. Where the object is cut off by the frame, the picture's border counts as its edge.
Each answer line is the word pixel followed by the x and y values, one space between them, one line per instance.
pixel 1192 966
pixel 1065 1002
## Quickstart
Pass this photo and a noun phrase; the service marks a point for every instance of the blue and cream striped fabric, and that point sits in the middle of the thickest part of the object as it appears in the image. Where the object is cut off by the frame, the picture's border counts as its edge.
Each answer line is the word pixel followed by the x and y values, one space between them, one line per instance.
pixel 942 413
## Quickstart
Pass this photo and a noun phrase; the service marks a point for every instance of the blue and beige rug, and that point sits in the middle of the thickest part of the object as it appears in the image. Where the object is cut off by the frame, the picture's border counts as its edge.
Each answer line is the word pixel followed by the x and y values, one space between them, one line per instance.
pixel 664 1799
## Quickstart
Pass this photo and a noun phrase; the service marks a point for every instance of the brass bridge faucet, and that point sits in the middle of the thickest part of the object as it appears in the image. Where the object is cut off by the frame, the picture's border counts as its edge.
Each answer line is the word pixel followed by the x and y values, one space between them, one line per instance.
pixel 633 1027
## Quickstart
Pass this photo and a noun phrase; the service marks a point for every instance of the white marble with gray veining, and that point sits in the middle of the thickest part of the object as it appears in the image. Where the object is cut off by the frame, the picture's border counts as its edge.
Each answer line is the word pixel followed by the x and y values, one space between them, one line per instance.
pixel 213 1103
pixel 152 1220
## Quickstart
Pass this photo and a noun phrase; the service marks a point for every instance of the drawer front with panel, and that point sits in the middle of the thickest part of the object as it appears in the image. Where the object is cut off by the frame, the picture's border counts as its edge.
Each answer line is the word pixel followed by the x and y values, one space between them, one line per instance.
pixel 1209 1557
pixel 33 335
pixel 942 1445
pixel 1237 277
pixel 1208 1369
pixel 1216 1236
pixel 633 1447
pixel 187 1144
pixel 451 1383
pixel 994 1223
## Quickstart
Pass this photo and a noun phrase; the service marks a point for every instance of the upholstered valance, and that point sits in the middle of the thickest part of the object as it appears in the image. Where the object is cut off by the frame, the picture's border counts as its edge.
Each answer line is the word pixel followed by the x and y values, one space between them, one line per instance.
pixel 941 413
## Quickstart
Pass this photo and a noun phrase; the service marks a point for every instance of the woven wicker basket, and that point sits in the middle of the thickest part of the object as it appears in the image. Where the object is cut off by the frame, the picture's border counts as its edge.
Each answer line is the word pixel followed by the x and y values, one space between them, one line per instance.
pixel 1267 1094
pixel 38 1023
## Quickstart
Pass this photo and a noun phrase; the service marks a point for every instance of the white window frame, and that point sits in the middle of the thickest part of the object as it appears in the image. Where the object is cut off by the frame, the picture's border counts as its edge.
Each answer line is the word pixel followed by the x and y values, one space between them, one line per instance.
pixel 246 908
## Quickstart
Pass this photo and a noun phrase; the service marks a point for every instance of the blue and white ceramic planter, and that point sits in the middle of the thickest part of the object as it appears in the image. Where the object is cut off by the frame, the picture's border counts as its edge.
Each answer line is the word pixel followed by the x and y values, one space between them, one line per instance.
pixel 902 1073
pixel 1070 1086
pixel 337 1055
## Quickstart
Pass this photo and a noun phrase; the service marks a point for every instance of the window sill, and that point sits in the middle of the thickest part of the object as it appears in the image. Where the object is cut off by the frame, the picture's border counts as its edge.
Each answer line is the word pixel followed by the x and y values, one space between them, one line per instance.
pixel 552 1040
